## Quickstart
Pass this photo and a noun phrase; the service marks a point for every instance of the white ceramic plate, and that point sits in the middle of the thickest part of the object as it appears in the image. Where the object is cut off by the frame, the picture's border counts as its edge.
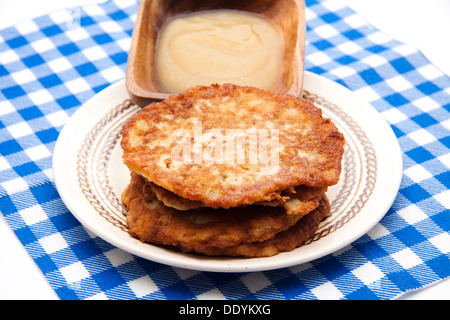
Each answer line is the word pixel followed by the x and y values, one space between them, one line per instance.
pixel 90 176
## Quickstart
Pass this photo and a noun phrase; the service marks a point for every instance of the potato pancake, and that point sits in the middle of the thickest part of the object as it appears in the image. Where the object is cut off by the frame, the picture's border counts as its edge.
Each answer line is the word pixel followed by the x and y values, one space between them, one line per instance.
pixel 227 146
pixel 150 221
pixel 284 241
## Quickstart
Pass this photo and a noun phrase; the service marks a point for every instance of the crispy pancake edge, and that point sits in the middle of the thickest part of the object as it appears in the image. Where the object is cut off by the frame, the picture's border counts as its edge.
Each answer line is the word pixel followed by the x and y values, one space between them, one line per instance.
pixel 298 200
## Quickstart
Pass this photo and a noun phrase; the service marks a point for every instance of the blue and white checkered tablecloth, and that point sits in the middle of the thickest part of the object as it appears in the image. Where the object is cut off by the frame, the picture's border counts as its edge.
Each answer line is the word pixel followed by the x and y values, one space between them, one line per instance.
pixel 51 65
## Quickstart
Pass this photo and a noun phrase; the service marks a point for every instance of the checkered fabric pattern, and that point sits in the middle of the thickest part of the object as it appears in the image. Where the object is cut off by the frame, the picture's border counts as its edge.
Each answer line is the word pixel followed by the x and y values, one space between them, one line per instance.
pixel 51 65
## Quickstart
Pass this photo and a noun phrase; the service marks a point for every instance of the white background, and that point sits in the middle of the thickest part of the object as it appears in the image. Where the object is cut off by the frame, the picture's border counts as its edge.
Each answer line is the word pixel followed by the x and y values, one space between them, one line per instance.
pixel 419 23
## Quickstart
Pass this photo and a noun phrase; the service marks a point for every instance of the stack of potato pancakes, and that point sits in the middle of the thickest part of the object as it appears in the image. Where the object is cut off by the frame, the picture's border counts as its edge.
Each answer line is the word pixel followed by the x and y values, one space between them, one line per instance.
pixel 225 170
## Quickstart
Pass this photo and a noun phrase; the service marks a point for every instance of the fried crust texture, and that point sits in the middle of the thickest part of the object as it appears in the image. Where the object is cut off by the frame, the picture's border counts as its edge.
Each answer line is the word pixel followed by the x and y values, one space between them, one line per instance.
pixel 284 241
pixel 149 220
pixel 308 147
pixel 298 200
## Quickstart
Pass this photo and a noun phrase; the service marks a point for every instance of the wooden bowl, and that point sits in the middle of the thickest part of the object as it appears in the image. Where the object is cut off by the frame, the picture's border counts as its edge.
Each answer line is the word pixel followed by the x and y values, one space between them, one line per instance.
pixel 288 15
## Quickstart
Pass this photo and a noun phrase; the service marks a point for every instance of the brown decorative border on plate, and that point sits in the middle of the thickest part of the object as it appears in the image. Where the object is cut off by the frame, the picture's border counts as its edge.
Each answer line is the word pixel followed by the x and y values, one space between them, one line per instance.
pixel 117 215
pixel 349 177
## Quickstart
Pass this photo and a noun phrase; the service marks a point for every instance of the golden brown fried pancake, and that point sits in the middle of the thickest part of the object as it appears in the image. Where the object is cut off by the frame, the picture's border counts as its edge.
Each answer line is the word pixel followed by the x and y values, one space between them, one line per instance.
pixel 284 241
pixel 299 200
pixel 309 148
pixel 150 221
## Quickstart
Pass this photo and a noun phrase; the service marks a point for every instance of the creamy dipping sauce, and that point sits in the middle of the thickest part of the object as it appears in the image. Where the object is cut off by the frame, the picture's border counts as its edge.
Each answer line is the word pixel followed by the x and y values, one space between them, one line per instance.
pixel 218 46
